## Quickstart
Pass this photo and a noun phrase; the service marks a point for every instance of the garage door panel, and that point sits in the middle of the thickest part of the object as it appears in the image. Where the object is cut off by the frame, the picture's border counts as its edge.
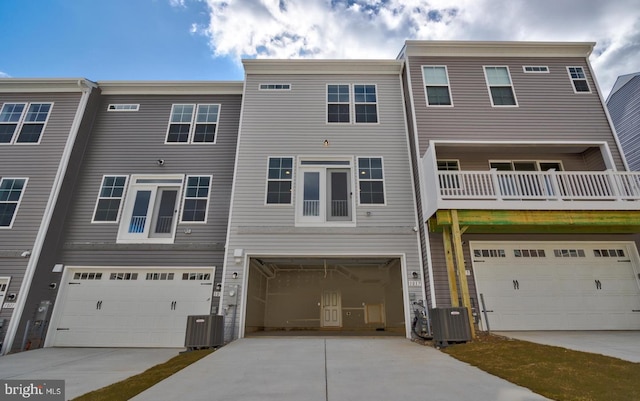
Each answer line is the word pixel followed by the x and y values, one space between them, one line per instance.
pixel 570 286
pixel 137 312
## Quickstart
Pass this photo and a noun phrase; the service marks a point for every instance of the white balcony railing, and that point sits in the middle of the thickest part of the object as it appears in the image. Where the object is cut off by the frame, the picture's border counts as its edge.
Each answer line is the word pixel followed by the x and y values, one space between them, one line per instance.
pixel 538 185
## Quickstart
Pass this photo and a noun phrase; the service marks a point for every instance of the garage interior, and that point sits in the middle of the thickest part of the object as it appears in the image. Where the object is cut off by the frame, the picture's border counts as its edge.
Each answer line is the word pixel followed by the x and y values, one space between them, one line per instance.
pixel 360 296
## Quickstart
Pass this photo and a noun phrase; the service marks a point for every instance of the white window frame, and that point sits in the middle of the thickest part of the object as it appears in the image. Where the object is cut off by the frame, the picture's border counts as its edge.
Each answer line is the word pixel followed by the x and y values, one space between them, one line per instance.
pixel 274 87
pixel 541 69
pixel 22 122
pixel 193 124
pixel 123 107
pixel 448 85
pixel 513 90
pixel 6 280
pixel 353 101
pixel 457 161
pixel 573 84
pixel 321 220
pixel 326 113
pixel 124 237
pixel 185 198
pixel 267 180
pixel 122 198
pixel 18 202
pixel 383 180
pixel 536 161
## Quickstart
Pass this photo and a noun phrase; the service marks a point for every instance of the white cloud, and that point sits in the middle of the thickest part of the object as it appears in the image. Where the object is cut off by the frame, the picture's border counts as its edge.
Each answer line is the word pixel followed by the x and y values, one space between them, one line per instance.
pixel 4 75
pixel 177 3
pixel 378 28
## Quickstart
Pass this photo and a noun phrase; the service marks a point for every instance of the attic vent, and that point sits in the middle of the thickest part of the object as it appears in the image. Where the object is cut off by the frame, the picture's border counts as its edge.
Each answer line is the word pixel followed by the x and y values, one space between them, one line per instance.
pixel 540 69
pixel 275 87
pixel 123 107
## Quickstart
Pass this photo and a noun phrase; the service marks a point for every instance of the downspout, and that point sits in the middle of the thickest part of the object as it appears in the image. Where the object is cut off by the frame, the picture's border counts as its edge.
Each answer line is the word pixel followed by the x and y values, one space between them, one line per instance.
pixel 86 87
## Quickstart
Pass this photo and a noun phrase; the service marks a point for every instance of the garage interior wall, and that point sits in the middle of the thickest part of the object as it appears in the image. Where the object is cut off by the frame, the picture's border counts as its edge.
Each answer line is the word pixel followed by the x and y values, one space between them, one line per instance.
pixel 288 297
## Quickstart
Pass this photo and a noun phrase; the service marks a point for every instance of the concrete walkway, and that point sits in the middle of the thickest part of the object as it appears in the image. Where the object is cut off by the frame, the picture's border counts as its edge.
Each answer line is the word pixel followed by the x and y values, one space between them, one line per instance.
pixel 618 344
pixel 332 369
pixel 82 369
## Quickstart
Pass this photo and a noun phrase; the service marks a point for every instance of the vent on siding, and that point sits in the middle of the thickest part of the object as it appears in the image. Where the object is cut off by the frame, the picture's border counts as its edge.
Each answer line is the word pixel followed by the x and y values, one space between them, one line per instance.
pixel 569 253
pixel 489 253
pixel 196 276
pixel 529 253
pixel 539 69
pixel 275 87
pixel 123 107
pixel 87 276
pixel 123 276
pixel 159 276
pixel 608 253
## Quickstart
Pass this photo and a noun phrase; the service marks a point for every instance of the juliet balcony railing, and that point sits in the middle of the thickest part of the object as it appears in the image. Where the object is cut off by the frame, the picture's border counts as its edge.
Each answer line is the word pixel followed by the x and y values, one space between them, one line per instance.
pixel 533 189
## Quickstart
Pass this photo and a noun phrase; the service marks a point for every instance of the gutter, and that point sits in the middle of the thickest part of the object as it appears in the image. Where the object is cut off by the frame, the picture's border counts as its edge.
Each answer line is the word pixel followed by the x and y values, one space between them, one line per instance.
pixel 86 87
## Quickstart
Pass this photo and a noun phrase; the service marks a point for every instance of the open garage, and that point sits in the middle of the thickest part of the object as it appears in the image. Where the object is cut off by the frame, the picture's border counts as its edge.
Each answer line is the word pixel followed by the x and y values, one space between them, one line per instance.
pixel 354 295
pixel 557 285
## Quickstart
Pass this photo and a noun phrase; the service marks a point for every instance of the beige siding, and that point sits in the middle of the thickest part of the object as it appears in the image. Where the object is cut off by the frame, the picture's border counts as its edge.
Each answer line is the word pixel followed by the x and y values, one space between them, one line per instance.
pixel 548 109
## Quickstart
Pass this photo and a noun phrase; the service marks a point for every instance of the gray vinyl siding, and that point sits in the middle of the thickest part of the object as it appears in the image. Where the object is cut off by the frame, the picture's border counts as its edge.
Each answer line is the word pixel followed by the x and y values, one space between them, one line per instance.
pixel 39 163
pixel 624 108
pixel 440 269
pixel 293 123
pixel 126 143
pixel 548 109
pixel 479 161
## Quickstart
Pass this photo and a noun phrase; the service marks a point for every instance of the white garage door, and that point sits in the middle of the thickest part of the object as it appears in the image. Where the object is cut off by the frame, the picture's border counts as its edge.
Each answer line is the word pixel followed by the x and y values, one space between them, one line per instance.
pixel 557 286
pixel 129 307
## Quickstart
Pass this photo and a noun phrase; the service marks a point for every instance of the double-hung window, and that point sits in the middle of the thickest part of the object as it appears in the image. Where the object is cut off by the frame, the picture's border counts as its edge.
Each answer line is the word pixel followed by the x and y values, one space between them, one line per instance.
pixel 500 86
pixel 448 181
pixel 193 123
pixel 22 122
pixel 279 180
pixel 436 80
pixel 325 192
pixel 196 199
pixel 107 208
pixel 151 209
pixel 11 190
pixel 371 180
pixel 345 106
pixel 579 80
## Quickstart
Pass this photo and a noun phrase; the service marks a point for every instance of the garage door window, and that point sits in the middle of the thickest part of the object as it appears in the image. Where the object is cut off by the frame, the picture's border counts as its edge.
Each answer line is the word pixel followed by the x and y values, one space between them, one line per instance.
pixel 569 253
pixel 196 276
pixel 123 276
pixel 159 276
pixel 529 253
pixel 489 253
pixel 87 276
pixel 608 253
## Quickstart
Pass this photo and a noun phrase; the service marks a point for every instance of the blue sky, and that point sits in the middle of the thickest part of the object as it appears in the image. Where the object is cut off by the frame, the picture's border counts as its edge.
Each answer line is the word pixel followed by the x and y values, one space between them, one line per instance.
pixel 107 40
pixel 206 39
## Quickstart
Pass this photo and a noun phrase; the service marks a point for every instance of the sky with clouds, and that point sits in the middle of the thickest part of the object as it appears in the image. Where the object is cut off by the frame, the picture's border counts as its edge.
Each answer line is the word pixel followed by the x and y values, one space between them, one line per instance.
pixel 205 39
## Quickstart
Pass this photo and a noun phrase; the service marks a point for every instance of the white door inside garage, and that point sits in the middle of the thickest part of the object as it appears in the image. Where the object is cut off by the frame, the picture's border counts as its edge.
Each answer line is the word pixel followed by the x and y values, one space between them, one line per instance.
pixel 102 307
pixel 557 285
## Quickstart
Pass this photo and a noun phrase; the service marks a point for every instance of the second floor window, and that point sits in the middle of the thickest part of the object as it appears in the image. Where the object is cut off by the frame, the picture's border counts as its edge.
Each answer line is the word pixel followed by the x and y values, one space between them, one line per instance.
pixel 110 198
pixel 371 180
pixel 279 179
pixel 500 87
pixel 22 122
pixel 193 123
pixel 11 190
pixel 196 199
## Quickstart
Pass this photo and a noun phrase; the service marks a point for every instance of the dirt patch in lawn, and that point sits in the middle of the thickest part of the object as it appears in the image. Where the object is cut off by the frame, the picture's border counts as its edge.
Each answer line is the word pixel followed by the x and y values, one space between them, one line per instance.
pixel 554 372
pixel 134 385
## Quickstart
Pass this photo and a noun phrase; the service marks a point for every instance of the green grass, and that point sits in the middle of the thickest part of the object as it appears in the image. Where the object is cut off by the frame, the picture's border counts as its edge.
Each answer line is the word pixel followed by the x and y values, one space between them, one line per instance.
pixel 553 372
pixel 134 385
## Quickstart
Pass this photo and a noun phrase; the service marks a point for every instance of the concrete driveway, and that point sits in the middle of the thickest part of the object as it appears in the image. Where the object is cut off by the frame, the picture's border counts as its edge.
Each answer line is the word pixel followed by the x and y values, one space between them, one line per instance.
pixel 82 369
pixel 618 344
pixel 332 368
